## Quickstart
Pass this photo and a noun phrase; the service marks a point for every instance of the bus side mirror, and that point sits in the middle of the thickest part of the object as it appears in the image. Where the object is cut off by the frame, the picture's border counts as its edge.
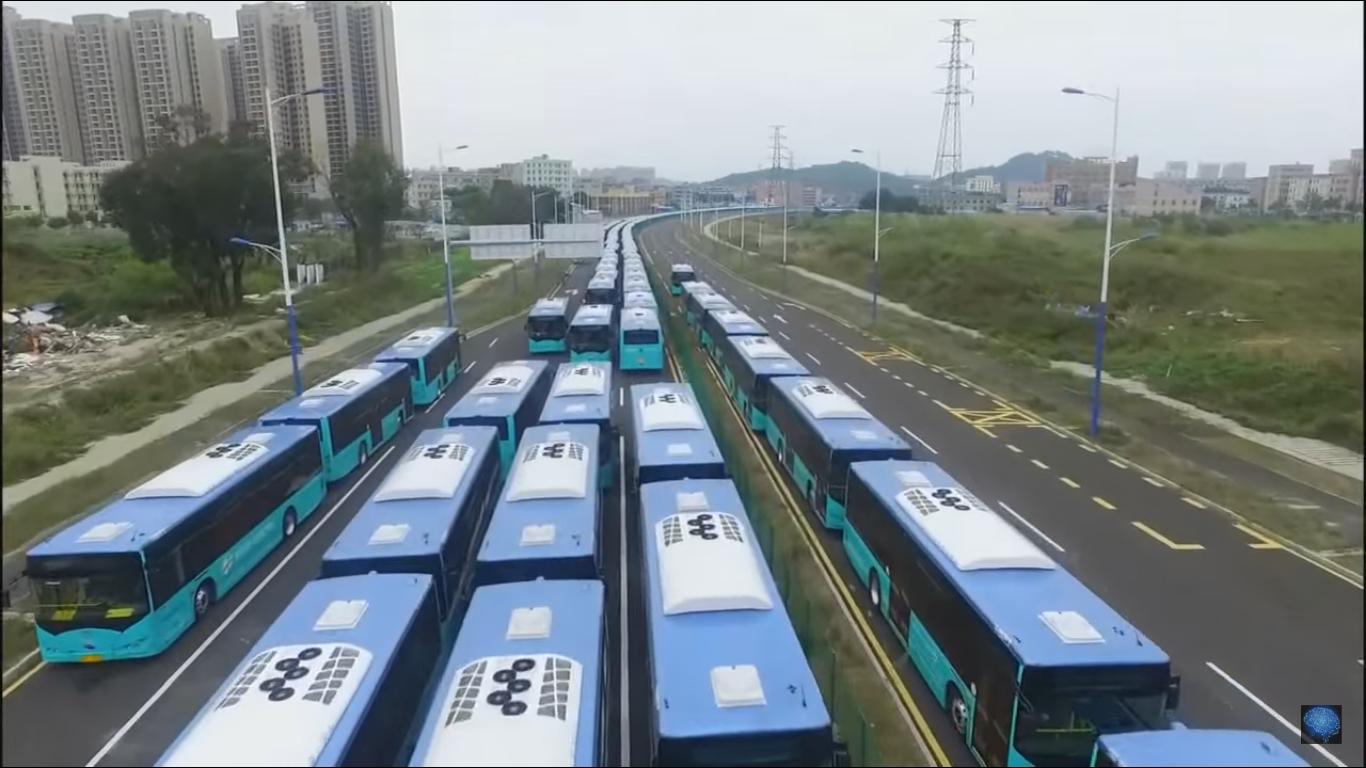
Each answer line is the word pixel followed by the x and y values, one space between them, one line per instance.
pixel 1174 692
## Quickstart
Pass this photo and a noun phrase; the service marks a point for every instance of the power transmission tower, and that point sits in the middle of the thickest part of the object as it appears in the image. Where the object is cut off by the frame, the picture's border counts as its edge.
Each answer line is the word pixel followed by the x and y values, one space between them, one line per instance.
pixel 775 169
pixel 949 157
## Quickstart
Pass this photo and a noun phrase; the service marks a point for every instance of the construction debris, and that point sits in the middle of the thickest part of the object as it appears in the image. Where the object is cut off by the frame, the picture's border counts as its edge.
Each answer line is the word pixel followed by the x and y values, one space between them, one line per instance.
pixel 33 340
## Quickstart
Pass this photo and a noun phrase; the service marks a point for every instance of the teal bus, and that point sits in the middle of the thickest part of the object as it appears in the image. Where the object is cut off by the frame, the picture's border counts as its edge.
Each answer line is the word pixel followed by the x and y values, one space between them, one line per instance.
pixel 509 398
pixel 582 394
pixel 721 322
pixel 678 275
pixel 433 359
pixel 747 364
pixel 590 334
pixel 547 326
pixel 642 340
pixel 1193 748
pixel 355 411
pixel 126 581
pixel 1030 665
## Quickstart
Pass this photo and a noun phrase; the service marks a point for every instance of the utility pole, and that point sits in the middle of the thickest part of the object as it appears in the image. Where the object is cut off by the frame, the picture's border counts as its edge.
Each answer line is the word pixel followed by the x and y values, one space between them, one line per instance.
pixel 775 168
pixel 948 159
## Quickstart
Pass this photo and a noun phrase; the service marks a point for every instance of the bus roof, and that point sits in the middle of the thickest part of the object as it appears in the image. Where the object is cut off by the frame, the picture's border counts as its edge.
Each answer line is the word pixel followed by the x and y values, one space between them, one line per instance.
pixel 712 301
pixel 556 307
pixel 681 268
pixel 692 286
pixel 593 314
pixel 763 356
pixel 549 622
pixel 144 513
pixel 416 507
pixel 580 392
pixel 601 280
pixel 639 299
pixel 634 284
pixel 639 318
pixel 1198 747
pixel 733 322
pixel 842 423
pixel 500 392
pixel 356 619
pixel 416 345
pixel 669 429
pixel 1042 612
pixel 330 395
pixel 549 508
pixel 725 657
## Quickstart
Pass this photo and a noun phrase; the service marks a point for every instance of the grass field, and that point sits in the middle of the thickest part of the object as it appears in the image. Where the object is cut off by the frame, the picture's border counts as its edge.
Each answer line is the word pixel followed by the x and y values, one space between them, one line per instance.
pixel 1259 321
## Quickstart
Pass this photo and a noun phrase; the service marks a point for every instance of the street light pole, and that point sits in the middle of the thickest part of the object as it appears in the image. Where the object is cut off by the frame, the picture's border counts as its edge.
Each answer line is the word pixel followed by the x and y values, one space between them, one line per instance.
pixel 877 225
pixel 536 252
pixel 445 238
pixel 1107 254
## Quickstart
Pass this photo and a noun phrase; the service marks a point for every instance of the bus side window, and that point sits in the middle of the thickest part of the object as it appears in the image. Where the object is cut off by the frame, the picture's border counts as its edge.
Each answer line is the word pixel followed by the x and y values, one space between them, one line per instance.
pixel 165 575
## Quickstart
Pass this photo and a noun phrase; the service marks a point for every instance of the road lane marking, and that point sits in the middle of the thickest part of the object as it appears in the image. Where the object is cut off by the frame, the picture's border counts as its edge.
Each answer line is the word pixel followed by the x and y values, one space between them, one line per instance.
pixel 621 395
pixel 1119 463
pixel 814 359
pixel 895 376
pixel 24 679
pixel 921 391
pixel 491 343
pixel 176 675
pixel 918 440
pixel 1086 448
pixel 624 604
pixel 1178 547
pixel 780 319
pixel 1013 448
pixel 1102 502
pixel 1038 464
pixel 1193 502
pixel 853 389
pixel 1031 527
pixel 884 370
pixel 1069 482
pixel 1154 482
pixel 980 392
pixel 784 335
pixel 1263 542
pixel 1274 714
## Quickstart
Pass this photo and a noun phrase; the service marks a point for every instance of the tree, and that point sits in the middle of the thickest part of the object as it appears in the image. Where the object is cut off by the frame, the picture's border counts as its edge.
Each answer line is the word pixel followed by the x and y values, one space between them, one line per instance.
pixel 74 217
pixel 181 126
pixel 368 192
pixel 57 222
pixel 1313 202
pixel 93 217
pixel 182 204
pixel 891 202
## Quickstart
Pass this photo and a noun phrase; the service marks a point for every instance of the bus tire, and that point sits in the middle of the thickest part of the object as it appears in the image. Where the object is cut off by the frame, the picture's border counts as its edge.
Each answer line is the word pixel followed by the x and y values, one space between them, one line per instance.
pixel 875 590
pixel 204 596
pixel 290 523
pixel 958 710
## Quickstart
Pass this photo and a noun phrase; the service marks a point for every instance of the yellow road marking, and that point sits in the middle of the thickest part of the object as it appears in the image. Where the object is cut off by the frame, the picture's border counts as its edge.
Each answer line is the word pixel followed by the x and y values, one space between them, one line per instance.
pixel 879 355
pixel 1193 502
pixel 24 679
pixel 1070 482
pixel 1119 463
pixel 1165 540
pixel 1262 542
pixel 996 417
pixel 1086 447
pixel 1153 482
pixel 941 405
pixel 1038 464
pixel 1013 448
pixel 1103 503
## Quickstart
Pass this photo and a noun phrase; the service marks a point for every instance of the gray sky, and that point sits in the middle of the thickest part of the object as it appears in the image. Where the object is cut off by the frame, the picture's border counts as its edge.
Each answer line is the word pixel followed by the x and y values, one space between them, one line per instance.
pixel 691 88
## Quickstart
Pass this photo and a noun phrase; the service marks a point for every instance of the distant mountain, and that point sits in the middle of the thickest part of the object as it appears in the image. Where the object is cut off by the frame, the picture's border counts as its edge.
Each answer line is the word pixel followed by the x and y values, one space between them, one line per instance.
pixel 843 181
pixel 1026 166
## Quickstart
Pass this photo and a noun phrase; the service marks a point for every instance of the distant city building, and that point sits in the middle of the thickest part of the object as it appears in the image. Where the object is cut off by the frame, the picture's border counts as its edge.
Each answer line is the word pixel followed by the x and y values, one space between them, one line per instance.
pixel 811 197
pixel 41 108
pixel 177 66
pixel 1174 169
pixel 424 185
pixel 1235 170
pixel 111 125
pixel 1156 197
pixel 983 184
pixel 545 171
pixel 1088 178
pixel 230 53
pixel 359 63
pixel 1278 183
pixel 1036 194
pixel 623 174
pixel 1225 200
pixel 52 187
pixel 1207 171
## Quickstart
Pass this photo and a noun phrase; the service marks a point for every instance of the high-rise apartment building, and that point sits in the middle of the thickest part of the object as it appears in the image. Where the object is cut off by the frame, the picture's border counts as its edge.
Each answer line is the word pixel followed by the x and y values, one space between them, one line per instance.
pixel 1236 170
pixel 279 50
pixel 1207 171
pixel 359 64
pixel 41 107
pixel 178 68
pixel 230 56
pixel 110 119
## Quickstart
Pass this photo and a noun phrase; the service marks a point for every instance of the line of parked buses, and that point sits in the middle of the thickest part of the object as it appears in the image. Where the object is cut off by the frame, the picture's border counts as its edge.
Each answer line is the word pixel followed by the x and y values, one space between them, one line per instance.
pixel 459 618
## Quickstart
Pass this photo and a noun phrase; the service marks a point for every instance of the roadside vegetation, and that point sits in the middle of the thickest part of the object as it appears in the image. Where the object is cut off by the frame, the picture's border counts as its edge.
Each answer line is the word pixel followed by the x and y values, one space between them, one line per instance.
pixel 1259 320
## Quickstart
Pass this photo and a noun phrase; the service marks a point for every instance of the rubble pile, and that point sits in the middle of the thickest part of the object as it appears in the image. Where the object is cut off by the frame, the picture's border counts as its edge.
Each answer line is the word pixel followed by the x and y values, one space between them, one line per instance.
pixel 33 338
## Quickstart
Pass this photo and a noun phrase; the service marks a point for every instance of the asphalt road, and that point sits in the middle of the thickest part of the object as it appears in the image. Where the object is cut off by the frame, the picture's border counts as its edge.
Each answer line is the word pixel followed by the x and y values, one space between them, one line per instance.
pixel 127 713
pixel 1254 629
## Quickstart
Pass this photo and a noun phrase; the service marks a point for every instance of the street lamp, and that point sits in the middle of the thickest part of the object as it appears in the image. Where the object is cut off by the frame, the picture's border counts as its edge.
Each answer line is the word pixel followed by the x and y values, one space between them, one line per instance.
pixel 787 189
pixel 445 238
pixel 279 256
pixel 1106 254
pixel 877 223
pixel 536 253
pixel 280 224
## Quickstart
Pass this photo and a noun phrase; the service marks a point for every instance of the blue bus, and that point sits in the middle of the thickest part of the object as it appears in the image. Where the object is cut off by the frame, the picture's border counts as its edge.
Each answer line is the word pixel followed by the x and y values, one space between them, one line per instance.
pixel 582 394
pixel 337 679
pixel 693 293
pixel 530 656
pixel 699 304
pixel 1030 665
pixel 670 437
pixel 428 516
pixel 355 412
pixel 1191 748
pixel 678 275
pixel 433 359
pixel 590 333
pixel 722 322
pixel 509 398
pixel 642 341
pixel 635 299
pixel 817 431
pixel 547 523
pixel 729 678
pixel 602 289
pixel 748 363
pixel 547 325
pixel 129 579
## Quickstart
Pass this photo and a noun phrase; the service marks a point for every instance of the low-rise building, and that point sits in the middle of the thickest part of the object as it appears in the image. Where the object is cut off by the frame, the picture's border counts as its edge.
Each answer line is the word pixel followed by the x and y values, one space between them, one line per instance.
pixel 52 187
pixel 1155 197
pixel 1036 194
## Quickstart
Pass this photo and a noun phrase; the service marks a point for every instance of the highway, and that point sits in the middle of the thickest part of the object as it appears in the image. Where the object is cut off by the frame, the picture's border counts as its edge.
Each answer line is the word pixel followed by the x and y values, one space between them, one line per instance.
pixel 1254 629
pixel 127 713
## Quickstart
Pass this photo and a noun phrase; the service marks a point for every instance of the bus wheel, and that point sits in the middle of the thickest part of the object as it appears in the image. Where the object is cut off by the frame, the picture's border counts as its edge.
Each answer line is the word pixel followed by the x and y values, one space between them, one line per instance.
pixel 290 523
pixel 958 710
pixel 874 590
pixel 203 598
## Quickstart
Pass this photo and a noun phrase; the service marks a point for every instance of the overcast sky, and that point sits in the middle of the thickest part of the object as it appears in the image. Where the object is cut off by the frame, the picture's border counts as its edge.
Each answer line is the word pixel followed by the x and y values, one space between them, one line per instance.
pixel 691 88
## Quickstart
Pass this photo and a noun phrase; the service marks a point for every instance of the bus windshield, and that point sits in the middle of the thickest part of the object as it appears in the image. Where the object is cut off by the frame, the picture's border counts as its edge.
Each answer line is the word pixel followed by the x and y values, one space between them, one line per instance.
pixel 542 328
pixel 87 590
pixel 643 336
pixel 600 296
pixel 590 338
pixel 1059 726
